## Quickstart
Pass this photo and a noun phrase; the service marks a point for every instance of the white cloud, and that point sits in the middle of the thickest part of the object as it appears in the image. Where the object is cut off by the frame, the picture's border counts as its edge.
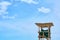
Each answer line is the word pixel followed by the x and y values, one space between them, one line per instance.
pixel 9 17
pixel 5 3
pixel 30 1
pixel 3 10
pixel 44 10
pixel 26 1
pixel 3 7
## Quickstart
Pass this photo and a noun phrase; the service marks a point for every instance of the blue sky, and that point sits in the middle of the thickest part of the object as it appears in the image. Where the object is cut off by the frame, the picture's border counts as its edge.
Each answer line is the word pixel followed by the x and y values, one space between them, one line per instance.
pixel 18 18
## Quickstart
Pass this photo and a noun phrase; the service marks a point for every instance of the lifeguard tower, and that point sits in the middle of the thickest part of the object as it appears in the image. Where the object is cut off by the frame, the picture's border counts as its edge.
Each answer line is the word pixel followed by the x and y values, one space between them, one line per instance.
pixel 44 34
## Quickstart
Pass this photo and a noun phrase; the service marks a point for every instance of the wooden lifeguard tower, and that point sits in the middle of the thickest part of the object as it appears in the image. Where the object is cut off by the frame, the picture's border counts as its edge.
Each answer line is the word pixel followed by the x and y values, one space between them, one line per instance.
pixel 44 34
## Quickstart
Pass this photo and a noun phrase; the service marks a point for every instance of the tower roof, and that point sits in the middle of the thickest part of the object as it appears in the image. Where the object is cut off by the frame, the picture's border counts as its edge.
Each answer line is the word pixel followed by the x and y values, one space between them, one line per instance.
pixel 44 24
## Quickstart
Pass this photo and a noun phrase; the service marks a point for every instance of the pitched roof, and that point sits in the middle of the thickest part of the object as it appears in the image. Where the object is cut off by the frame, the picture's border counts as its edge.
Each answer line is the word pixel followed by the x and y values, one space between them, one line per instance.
pixel 44 24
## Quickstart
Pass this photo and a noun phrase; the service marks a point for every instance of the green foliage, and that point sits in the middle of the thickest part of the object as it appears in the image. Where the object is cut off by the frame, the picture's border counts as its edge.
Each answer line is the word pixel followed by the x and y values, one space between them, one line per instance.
pixel 41 33
pixel 45 33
